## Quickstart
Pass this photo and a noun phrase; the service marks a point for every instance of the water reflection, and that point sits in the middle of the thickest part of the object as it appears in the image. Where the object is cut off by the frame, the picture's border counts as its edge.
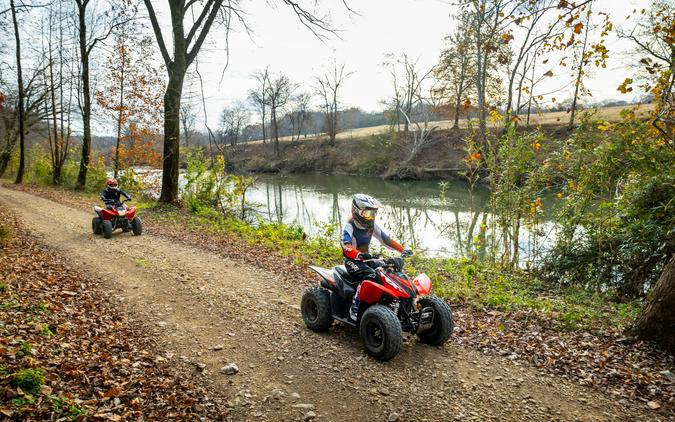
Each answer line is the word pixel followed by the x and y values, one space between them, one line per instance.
pixel 449 222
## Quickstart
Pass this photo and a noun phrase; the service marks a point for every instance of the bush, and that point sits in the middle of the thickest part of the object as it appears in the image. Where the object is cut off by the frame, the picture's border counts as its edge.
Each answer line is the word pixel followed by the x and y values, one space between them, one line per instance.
pixel 617 225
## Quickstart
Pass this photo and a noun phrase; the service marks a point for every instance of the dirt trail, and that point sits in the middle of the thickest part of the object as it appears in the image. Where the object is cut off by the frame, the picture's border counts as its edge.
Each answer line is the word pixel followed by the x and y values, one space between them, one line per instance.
pixel 196 300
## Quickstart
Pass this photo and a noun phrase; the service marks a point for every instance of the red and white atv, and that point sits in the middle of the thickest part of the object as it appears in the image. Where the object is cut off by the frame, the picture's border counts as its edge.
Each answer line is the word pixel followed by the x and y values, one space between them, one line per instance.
pixel 386 309
pixel 116 217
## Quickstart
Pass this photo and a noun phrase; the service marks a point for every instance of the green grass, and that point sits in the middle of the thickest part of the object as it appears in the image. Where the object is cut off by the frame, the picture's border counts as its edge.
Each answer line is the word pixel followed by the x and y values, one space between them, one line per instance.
pixel 26 349
pixel 64 407
pixel 483 286
pixel 29 380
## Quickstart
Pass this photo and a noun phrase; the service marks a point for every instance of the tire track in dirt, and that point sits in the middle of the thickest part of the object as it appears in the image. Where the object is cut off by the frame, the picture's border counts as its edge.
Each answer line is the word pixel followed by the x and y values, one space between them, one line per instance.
pixel 196 300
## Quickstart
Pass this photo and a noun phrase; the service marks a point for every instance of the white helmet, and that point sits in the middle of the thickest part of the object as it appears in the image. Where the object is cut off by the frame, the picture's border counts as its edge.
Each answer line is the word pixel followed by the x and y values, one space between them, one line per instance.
pixel 364 210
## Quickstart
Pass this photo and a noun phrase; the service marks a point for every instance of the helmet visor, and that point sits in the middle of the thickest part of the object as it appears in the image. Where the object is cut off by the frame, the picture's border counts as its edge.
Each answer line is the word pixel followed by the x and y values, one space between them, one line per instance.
pixel 368 214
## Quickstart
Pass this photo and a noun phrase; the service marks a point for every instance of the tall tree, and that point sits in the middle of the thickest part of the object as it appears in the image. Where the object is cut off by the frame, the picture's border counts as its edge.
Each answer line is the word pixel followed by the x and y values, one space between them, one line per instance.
pixel 657 320
pixel 233 120
pixel 22 93
pixel 279 91
pixel 328 87
pixel 186 45
pixel 455 72
pixel 258 98
pixel 132 93
pixel 91 31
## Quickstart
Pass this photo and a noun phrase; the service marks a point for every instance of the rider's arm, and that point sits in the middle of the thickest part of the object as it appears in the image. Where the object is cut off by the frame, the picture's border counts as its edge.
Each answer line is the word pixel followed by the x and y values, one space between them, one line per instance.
pixel 386 240
pixel 348 249
pixel 126 195
pixel 103 195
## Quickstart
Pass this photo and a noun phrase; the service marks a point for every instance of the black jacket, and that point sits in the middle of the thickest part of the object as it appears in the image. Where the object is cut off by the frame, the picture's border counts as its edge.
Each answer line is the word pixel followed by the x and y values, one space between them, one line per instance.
pixel 113 195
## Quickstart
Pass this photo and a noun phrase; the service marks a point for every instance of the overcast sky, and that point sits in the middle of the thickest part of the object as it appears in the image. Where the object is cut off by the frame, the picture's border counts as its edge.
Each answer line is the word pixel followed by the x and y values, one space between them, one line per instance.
pixel 416 27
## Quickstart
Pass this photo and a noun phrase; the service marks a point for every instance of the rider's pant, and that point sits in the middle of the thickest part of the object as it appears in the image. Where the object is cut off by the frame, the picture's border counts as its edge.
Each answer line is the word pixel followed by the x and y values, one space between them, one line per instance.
pixel 359 270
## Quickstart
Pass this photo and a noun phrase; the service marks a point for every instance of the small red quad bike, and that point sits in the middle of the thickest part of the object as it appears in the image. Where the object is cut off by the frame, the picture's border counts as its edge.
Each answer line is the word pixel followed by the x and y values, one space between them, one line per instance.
pixel 386 309
pixel 116 217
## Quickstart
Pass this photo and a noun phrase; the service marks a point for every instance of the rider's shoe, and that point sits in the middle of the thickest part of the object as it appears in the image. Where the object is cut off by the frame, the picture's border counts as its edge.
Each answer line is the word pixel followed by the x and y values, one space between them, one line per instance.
pixel 354 310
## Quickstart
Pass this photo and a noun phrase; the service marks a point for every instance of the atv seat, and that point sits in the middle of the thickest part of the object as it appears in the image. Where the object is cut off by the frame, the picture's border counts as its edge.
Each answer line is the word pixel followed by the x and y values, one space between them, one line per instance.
pixel 346 284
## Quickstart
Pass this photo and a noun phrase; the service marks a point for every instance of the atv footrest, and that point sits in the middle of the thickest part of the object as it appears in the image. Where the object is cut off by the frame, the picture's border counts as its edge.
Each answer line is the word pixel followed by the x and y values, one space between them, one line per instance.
pixel 346 321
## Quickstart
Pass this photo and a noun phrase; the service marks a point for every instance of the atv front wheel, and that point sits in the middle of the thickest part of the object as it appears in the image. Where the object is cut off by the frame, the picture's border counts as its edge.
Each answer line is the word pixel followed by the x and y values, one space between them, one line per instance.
pixel 381 332
pixel 315 308
pixel 441 327
pixel 137 226
pixel 107 229
pixel 96 225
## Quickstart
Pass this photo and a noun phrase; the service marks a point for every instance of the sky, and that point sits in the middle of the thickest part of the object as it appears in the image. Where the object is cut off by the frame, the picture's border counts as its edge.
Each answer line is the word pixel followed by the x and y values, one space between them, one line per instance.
pixel 379 27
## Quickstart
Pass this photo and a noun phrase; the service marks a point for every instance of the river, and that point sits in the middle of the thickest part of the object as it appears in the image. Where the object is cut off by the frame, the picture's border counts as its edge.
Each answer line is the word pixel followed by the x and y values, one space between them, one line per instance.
pixel 439 221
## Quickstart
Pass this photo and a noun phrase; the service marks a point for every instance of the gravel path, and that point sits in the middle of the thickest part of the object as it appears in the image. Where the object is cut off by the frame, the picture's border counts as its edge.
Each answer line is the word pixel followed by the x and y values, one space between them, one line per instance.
pixel 213 311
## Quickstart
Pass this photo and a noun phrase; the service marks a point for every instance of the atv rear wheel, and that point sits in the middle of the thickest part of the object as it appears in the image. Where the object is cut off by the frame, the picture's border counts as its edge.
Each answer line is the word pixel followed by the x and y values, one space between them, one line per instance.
pixel 137 226
pixel 107 229
pixel 315 308
pixel 381 332
pixel 442 326
pixel 96 225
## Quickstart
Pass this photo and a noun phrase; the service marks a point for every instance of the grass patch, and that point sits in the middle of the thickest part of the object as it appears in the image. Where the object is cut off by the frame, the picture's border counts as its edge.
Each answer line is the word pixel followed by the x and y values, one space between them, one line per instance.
pixel 29 380
pixel 64 407
pixel 25 349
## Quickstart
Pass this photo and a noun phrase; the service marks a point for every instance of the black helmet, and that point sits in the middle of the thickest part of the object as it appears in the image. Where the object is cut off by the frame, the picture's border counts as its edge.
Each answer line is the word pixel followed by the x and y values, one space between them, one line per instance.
pixel 364 210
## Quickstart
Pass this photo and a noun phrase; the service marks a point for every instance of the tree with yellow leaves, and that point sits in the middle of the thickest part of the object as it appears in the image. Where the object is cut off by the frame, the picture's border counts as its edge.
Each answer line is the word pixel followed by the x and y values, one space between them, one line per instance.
pixel 133 99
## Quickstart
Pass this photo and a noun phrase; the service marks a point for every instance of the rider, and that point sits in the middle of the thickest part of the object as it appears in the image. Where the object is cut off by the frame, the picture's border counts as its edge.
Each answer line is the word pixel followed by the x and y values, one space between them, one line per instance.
pixel 111 194
pixel 356 236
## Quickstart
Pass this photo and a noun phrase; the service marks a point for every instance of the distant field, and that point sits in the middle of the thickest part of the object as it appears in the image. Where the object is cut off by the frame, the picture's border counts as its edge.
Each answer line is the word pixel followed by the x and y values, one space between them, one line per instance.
pixel 611 114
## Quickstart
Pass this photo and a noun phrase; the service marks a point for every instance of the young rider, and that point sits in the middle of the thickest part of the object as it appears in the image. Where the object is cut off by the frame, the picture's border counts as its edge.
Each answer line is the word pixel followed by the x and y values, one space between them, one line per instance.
pixel 356 236
pixel 111 194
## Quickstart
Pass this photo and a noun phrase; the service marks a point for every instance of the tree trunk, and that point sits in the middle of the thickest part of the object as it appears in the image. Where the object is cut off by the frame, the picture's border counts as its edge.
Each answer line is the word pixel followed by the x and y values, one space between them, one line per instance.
pixel 4 161
pixel 171 155
pixel 22 135
pixel 579 75
pixel 120 115
pixel 86 95
pixel 657 321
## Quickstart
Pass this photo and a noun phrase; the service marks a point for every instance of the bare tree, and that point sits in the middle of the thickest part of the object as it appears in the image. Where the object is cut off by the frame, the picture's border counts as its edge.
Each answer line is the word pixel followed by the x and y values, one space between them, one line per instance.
pixel 58 84
pixel 487 21
pixel 188 118
pixel 186 45
pixel 528 23
pixel 258 98
pixel 583 58
pixel 22 93
pixel 233 120
pixel 407 79
pixel 299 113
pixel 328 88
pixel 279 91
pixel 92 30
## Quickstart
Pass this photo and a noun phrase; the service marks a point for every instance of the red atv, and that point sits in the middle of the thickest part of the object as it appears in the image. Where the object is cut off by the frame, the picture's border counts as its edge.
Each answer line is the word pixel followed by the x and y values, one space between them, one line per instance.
pixel 386 309
pixel 116 216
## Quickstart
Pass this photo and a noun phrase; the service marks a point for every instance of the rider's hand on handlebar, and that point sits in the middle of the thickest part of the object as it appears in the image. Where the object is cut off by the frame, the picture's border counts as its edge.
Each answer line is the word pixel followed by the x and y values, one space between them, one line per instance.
pixel 364 256
pixel 406 253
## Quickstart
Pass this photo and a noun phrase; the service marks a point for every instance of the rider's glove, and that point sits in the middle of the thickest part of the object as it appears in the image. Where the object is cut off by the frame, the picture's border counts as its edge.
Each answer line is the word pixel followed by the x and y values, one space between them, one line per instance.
pixel 363 256
pixel 407 253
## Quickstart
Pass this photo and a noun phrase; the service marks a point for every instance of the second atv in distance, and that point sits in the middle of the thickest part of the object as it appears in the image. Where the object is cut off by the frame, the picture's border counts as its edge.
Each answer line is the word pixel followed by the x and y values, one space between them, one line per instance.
pixel 116 217
pixel 386 309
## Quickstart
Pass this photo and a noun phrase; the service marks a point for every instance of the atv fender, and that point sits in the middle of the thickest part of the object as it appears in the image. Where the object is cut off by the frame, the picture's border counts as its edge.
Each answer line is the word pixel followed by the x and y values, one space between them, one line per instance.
pixel 423 284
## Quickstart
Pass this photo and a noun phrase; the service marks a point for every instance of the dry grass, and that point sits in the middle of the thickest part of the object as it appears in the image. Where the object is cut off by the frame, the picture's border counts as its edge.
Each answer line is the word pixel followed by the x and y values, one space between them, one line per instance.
pixel 611 114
